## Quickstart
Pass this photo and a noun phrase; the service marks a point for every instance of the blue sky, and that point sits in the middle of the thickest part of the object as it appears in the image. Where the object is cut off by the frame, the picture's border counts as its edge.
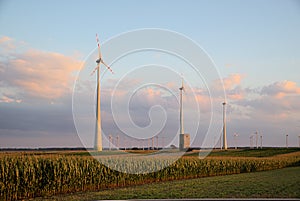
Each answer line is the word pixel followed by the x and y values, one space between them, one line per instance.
pixel 254 44
pixel 266 31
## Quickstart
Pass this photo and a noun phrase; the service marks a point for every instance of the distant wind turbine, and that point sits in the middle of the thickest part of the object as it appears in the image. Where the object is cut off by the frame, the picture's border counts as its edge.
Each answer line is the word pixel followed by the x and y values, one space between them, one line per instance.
pixel 98 135
pixel 235 135
pixel 181 111
pixel 224 126
pixel 184 138
pixel 256 139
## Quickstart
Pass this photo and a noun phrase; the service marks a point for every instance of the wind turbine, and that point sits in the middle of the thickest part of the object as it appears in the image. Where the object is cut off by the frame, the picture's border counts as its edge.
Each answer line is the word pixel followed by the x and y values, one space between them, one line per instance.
pixel 110 141
pixel 224 126
pixel 256 139
pixel 184 138
pixel 98 135
pixel 251 141
pixel 181 111
pixel 118 142
pixel 235 135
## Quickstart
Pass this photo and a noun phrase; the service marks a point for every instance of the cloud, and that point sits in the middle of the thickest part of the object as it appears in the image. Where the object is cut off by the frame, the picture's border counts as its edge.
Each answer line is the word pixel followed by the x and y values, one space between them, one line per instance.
pixel 281 89
pixel 38 74
pixel 9 99
pixel 6 43
pixel 35 94
pixel 272 103
pixel 228 83
pixel 232 80
pixel 4 39
pixel 231 85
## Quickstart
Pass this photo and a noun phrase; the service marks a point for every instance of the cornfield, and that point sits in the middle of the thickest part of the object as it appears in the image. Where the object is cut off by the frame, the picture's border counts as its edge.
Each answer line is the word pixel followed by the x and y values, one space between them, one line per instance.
pixel 28 176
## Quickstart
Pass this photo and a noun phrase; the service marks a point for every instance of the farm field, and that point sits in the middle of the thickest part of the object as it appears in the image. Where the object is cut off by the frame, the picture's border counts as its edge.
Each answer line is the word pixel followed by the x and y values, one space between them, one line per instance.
pixel 282 183
pixel 42 174
pixel 265 152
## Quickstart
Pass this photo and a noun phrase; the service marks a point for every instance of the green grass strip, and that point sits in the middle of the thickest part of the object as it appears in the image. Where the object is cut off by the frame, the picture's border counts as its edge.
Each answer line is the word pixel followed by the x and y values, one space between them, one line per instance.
pixel 282 183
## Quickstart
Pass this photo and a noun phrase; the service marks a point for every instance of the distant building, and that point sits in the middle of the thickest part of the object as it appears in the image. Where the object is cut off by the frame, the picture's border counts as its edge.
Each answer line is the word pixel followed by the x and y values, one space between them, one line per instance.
pixel 184 141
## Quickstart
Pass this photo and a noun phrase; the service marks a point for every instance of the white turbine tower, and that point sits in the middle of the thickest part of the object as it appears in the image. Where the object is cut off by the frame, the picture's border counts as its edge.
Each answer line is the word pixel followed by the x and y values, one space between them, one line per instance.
pixel 98 135
pixel 181 111
pixel 235 135
pixel 250 138
pixel 256 139
pixel 224 126
pixel 184 138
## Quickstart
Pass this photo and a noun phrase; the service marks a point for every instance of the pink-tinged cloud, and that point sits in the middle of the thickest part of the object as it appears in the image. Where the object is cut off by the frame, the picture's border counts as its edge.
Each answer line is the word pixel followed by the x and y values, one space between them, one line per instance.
pixel 281 89
pixel 232 81
pixel 231 85
pixel 7 45
pixel 204 102
pixel 5 39
pixel 229 82
pixel 198 96
pixel 281 116
pixel 152 93
pixel 39 74
pixel 6 99
pixel 237 93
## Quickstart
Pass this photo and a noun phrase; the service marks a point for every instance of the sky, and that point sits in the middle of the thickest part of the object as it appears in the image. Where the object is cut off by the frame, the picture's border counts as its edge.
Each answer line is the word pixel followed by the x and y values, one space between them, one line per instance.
pixel 48 49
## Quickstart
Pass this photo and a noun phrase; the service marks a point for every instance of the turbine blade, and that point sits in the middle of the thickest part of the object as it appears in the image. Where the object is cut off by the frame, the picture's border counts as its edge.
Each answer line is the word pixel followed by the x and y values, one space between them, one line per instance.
pixel 96 68
pixel 183 88
pixel 107 66
pixel 98 44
